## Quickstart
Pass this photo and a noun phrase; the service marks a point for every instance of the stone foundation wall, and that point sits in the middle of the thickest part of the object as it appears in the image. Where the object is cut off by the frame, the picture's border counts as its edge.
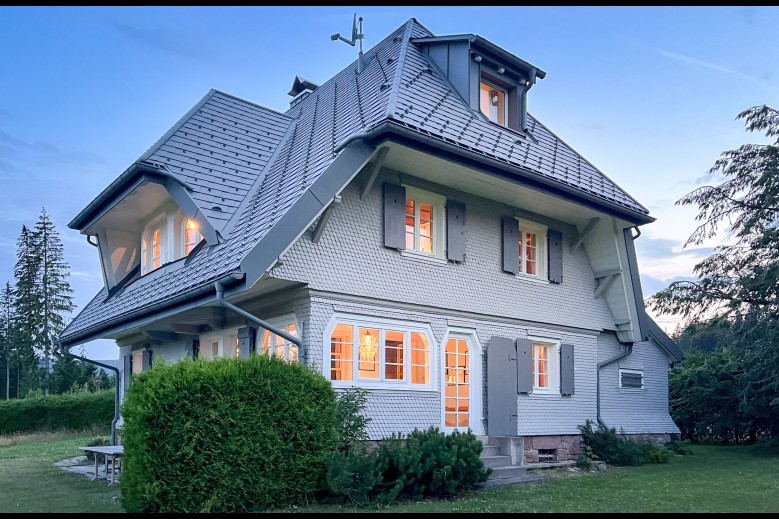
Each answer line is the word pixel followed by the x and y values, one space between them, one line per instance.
pixel 569 446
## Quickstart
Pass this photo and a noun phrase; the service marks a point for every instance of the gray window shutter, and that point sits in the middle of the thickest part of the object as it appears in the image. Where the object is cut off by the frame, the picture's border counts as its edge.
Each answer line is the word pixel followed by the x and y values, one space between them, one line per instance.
pixel 501 380
pixel 566 369
pixel 146 366
pixel 394 216
pixel 128 370
pixel 455 230
pixel 555 270
pixel 195 348
pixel 244 342
pixel 524 366
pixel 510 244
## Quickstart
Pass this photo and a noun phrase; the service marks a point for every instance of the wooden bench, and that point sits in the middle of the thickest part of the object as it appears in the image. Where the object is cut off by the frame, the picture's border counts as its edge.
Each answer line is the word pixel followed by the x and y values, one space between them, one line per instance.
pixel 114 452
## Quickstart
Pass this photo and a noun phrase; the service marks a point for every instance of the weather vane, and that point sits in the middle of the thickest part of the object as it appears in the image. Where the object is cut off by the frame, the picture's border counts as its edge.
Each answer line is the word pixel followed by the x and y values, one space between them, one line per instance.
pixel 355 36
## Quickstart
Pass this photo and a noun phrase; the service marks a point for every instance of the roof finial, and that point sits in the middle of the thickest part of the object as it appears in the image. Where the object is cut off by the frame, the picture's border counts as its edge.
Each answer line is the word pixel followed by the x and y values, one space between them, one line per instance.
pixel 355 36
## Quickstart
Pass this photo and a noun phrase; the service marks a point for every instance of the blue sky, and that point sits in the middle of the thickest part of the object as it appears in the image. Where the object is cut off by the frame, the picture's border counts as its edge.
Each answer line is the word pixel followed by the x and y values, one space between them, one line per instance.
pixel 647 94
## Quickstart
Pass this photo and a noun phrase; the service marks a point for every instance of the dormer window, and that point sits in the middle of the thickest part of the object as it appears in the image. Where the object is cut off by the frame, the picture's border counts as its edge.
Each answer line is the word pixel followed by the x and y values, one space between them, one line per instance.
pixel 492 102
pixel 168 236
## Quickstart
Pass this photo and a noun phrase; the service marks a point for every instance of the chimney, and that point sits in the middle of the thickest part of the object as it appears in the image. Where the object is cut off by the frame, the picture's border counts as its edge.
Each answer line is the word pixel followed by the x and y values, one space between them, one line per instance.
pixel 301 89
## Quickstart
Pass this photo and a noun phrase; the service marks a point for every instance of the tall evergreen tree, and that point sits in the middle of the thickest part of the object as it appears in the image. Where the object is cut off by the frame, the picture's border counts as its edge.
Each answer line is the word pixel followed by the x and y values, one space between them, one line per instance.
pixel 55 294
pixel 26 303
pixel 6 335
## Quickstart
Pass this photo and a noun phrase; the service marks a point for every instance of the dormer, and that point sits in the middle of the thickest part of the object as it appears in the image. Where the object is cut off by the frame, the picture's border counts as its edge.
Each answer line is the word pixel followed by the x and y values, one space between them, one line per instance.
pixel 301 88
pixel 145 220
pixel 492 81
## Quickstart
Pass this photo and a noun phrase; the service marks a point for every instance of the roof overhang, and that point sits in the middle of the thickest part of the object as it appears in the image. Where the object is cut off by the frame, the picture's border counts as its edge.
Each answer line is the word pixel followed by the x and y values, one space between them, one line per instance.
pixel 134 177
pixel 480 44
pixel 408 137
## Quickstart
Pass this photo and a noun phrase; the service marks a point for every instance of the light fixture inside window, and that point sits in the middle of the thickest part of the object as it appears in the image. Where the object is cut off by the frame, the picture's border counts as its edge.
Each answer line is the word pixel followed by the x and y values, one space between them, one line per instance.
pixel 191 225
pixel 494 98
pixel 369 346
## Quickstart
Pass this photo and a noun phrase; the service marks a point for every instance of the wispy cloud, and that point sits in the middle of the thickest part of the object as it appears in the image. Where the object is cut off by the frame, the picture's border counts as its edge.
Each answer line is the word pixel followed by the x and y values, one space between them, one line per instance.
pixel 165 40
pixel 697 62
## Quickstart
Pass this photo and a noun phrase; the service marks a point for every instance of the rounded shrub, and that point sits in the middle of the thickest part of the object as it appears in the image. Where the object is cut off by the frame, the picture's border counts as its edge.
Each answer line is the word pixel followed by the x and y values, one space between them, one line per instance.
pixel 226 436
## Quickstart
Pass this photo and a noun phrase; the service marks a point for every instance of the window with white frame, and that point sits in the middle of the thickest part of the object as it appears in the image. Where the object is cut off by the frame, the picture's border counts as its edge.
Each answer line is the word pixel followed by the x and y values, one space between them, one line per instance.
pixel 223 343
pixel 425 225
pixel 276 345
pixel 546 367
pixel 373 353
pixel 492 102
pixel 532 249
pixel 168 236
pixel 631 379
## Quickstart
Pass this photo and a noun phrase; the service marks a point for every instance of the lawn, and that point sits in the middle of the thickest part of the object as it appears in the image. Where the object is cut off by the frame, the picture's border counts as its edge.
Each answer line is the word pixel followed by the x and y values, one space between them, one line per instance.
pixel 712 479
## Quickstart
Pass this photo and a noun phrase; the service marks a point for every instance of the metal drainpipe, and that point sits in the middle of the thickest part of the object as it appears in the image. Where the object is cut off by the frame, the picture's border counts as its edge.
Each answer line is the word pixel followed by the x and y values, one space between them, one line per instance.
pixel 67 353
pixel 523 106
pixel 220 294
pixel 628 351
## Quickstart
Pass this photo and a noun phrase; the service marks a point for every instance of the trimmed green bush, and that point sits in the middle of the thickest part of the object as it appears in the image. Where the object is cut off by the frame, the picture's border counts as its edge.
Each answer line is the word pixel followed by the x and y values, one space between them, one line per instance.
pixel 605 444
pixel 421 464
pixel 226 436
pixel 75 411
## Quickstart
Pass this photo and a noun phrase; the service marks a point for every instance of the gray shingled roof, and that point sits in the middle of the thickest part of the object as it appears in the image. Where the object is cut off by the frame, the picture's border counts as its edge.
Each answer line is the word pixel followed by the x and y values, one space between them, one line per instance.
pixel 254 163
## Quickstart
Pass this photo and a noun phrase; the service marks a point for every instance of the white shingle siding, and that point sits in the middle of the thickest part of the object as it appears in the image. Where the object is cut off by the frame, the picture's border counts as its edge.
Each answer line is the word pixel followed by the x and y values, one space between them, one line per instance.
pixel 635 411
pixel 350 258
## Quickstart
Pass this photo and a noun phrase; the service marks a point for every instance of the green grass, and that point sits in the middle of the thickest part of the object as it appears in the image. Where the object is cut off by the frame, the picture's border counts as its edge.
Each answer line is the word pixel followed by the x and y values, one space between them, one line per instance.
pixel 712 479
pixel 29 481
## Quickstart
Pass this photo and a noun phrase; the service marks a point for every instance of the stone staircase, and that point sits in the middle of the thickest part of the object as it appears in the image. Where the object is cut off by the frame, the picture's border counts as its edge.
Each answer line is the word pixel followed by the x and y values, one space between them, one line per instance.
pixel 504 455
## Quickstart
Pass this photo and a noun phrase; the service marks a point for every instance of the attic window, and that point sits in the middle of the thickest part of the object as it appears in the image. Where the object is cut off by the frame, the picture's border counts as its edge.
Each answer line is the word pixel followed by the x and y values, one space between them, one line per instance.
pixel 168 236
pixel 492 102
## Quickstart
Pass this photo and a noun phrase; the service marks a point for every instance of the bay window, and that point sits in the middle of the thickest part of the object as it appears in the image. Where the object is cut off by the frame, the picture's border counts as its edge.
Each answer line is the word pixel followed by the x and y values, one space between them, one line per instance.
pixel 385 354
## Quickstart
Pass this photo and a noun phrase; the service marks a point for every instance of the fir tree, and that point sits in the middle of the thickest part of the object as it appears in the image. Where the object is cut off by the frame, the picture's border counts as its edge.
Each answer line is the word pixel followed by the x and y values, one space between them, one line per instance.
pixel 6 335
pixel 26 303
pixel 55 294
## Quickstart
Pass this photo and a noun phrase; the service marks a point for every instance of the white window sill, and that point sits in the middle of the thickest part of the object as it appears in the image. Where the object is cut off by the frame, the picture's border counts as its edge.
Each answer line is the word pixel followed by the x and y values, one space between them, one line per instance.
pixel 632 389
pixel 383 386
pixel 532 279
pixel 536 394
pixel 422 256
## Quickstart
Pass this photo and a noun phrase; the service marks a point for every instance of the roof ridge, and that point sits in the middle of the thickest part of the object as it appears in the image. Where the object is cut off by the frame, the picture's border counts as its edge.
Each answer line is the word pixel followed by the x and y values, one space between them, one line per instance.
pixel 237 98
pixel 399 68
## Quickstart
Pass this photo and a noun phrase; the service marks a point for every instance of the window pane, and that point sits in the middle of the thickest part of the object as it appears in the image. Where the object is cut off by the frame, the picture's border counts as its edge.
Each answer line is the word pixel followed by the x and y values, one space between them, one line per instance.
pixel 137 362
pixel 426 228
pixel 531 254
pixel 266 343
pixel 293 353
pixel 341 358
pixel 457 388
pixel 420 359
pixel 394 345
pixel 156 249
pixel 484 98
pixel 191 235
pixel 409 224
pixel 368 351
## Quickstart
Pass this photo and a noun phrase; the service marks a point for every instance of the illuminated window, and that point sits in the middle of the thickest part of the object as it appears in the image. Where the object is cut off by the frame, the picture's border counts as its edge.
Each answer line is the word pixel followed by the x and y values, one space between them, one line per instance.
pixel 156 248
pixel 424 222
pixel 492 102
pixel 191 235
pixel 379 353
pixel 137 362
pixel 223 343
pixel 277 345
pixel 457 380
pixel 532 249
pixel 545 362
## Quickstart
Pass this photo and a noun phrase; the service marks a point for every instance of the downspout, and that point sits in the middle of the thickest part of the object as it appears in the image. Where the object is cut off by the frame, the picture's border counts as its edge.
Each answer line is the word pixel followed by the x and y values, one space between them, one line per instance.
pixel 628 351
pixel 523 103
pixel 67 353
pixel 220 298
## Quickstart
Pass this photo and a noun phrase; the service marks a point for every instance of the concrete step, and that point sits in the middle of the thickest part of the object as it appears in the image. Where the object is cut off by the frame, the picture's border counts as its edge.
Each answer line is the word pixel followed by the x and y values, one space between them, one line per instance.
pixel 490 450
pixel 550 464
pixel 510 471
pixel 496 461
pixel 519 480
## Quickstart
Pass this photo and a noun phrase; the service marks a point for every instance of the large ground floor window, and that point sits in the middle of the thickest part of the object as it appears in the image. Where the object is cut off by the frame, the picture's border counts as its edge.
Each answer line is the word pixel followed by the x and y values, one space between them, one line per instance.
pixel 378 352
